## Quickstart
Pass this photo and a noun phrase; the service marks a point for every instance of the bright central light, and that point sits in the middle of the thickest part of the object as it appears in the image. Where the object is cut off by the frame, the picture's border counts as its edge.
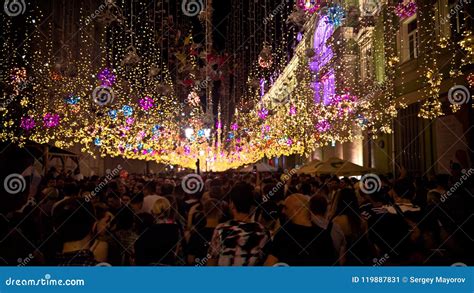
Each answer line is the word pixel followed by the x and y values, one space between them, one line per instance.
pixel 188 132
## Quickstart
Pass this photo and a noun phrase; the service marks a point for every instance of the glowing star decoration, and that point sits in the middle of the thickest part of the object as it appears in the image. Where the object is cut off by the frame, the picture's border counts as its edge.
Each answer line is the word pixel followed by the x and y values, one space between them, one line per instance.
pixel 113 114
pixel 27 123
pixel 127 110
pixel 265 58
pixel 335 15
pixel 405 8
pixel 309 6
pixel 50 120
pixel 106 77
pixel 146 103
pixel 263 113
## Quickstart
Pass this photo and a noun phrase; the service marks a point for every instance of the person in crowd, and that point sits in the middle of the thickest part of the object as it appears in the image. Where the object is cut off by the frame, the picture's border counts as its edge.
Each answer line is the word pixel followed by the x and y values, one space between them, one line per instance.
pixel 136 202
pixel 319 207
pixel 150 196
pixel 201 235
pixel 101 244
pixel 74 220
pixel 126 235
pixel 70 190
pixel 240 219
pixel 161 243
pixel 347 216
pixel 299 242
pixel 239 242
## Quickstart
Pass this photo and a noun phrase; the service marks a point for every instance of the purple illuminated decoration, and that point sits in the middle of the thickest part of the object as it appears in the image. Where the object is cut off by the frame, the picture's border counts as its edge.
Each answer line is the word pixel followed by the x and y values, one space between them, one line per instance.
pixel 324 86
pixel 405 9
pixel 310 6
pixel 299 37
pixel 106 77
pixel 292 110
pixel 338 99
pixel 234 126
pixel 263 113
pixel 50 120
pixel 146 103
pixel 130 120
pixel 27 123
pixel 323 126
pixel 262 87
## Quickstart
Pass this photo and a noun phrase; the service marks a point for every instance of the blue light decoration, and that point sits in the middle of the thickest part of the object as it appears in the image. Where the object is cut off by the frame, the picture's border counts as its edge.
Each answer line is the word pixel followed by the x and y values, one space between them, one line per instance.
pixel 113 114
pixel 97 141
pixel 362 120
pixel 72 99
pixel 156 129
pixel 231 135
pixel 335 15
pixel 140 146
pixel 127 110
pixel 201 133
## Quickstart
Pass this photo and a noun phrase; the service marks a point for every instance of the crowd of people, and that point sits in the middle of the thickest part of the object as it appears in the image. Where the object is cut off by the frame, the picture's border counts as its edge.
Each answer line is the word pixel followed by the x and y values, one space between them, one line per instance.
pixel 240 219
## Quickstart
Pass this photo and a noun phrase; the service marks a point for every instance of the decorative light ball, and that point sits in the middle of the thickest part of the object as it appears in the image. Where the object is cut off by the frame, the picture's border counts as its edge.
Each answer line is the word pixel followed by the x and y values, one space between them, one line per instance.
pixel 72 99
pixel 335 15
pixel 405 9
pixel 127 110
pixel 310 6
pixel 156 129
pixel 97 141
pixel 323 126
pixel 27 123
pixel 50 120
pixel 146 103
pixel 130 120
pixel 107 77
pixel 113 114
pixel 263 113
